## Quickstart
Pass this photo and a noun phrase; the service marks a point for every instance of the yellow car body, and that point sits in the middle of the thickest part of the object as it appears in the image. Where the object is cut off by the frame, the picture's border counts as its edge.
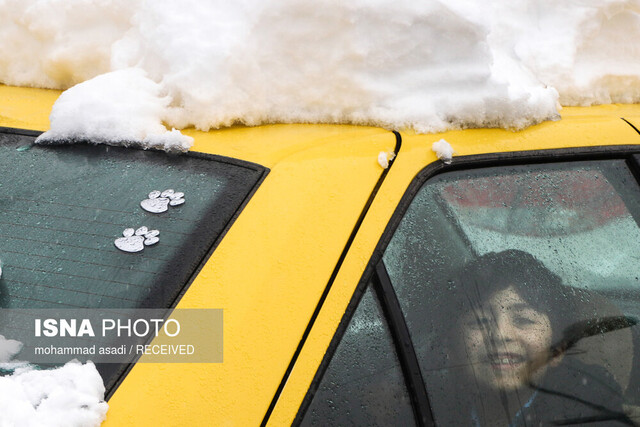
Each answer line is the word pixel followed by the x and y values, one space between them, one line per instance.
pixel 287 269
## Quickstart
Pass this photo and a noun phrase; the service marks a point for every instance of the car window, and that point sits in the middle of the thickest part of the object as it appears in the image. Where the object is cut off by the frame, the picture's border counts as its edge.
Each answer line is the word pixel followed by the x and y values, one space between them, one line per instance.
pixel 77 222
pixel 65 207
pixel 363 384
pixel 520 287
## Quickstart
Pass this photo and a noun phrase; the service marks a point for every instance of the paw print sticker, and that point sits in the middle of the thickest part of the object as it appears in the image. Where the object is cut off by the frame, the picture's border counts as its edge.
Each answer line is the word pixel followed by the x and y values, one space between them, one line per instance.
pixel 159 202
pixel 136 240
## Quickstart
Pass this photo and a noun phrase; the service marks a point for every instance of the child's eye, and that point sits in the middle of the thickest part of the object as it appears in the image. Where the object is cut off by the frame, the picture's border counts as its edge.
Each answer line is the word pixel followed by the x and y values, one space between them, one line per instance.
pixel 524 321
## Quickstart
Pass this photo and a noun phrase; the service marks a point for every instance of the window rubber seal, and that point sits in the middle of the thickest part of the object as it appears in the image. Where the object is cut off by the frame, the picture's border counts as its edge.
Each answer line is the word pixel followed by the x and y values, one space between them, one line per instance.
pixel 22 132
pixel 404 346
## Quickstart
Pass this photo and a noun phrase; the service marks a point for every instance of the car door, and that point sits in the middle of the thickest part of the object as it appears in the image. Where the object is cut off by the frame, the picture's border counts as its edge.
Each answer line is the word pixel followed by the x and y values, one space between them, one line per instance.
pixel 573 208
pixel 267 274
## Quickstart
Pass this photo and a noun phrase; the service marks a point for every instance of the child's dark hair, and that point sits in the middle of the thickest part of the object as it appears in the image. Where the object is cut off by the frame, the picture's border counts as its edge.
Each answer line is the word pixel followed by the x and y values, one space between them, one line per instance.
pixel 543 290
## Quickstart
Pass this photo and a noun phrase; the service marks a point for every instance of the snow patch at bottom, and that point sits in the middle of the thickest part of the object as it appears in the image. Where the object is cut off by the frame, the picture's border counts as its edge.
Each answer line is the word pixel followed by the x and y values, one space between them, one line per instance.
pixel 69 396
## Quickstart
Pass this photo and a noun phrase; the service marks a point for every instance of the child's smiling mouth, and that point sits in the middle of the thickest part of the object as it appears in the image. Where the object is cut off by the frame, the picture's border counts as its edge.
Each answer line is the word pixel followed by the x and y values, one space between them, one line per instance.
pixel 506 361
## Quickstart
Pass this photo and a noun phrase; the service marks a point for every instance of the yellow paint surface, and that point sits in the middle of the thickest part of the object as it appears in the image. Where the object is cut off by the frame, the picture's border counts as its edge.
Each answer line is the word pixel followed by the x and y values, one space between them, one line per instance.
pixel 267 274
pixel 271 268
pixel 581 127
pixel 26 108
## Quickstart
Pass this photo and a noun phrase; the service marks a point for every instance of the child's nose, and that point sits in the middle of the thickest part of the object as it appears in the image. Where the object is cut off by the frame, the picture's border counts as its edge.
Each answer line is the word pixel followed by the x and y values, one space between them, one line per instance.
pixel 505 328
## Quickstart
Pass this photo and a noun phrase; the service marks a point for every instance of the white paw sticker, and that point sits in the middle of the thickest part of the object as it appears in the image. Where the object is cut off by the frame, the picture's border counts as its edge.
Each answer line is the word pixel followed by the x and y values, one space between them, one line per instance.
pixel 159 202
pixel 136 240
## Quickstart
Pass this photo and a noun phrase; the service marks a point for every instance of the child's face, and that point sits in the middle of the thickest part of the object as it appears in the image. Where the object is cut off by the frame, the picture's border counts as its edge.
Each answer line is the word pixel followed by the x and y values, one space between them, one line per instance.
pixel 505 340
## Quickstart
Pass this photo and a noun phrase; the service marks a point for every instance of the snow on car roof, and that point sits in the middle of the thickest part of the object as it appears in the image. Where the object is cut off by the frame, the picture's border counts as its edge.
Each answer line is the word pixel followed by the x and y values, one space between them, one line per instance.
pixel 426 66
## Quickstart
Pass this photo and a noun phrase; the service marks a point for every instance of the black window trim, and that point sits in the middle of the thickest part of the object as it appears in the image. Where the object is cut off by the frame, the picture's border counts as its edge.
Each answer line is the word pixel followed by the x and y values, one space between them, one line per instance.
pixel 327 288
pixel 263 171
pixel 404 346
pixel 629 153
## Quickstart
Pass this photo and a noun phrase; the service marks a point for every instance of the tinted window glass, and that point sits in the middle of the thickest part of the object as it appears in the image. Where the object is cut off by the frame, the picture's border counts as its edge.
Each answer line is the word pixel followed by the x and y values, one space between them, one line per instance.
pixel 521 290
pixel 64 207
pixel 363 384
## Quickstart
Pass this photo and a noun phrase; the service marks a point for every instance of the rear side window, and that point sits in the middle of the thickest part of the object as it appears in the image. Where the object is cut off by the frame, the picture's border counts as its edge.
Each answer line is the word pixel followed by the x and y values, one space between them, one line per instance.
pixel 357 386
pixel 520 287
pixel 65 212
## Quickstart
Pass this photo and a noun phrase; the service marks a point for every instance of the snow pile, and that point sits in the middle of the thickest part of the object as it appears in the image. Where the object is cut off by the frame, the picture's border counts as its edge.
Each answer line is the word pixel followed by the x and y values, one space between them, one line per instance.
pixel 59 43
pixel 118 108
pixel 444 151
pixel 585 49
pixel 68 396
pixel 430 65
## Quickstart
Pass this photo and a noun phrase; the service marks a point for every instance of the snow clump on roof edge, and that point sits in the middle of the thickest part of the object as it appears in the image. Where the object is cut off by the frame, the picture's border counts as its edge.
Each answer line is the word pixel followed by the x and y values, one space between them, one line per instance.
pixel 444 151
pixel 123 107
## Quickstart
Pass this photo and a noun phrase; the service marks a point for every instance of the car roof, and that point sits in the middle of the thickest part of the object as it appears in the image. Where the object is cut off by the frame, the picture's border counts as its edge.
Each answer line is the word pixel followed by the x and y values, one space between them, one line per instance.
pixel 274 264
pixel 29 108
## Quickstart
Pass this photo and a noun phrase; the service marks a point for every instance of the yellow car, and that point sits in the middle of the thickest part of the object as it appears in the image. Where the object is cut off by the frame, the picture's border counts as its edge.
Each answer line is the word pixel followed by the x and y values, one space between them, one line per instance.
pixel 501 288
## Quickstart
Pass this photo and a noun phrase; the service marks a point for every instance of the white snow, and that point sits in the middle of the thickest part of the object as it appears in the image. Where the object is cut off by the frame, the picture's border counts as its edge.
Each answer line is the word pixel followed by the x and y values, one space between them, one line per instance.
pixel 72 395
pixel 66 397
pixel 385 157
pixel 429 65
pixel 444 151
pixel 136 69
pixel 8 349
pixel 123 107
